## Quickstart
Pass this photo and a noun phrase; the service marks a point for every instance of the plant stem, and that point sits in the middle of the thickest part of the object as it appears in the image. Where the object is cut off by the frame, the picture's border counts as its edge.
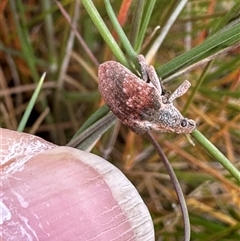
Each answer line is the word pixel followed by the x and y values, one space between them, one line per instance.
pixel 216 154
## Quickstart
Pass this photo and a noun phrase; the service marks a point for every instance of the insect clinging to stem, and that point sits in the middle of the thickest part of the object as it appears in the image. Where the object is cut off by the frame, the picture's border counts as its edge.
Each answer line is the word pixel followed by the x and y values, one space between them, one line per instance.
pixel 142 104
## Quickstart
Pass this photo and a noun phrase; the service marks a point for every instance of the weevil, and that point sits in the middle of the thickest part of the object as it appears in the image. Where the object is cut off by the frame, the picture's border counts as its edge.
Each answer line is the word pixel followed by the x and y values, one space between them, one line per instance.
pixel 142 104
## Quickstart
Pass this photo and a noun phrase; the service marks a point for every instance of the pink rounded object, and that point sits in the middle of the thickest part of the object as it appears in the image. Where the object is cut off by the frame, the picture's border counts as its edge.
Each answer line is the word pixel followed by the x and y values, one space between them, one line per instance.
pixel 61 193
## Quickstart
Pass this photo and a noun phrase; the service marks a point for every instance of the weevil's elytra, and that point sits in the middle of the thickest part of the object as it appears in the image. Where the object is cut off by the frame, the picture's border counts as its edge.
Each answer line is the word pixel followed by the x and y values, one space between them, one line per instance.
pixel 142 104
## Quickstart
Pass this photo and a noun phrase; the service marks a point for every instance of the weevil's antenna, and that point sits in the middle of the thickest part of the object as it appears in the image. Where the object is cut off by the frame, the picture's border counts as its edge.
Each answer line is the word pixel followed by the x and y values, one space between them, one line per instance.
pixel 181 90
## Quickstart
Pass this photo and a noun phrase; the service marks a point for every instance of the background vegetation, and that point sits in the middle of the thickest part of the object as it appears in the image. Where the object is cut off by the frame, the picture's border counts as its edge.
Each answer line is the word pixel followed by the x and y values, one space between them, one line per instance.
pixel 203 43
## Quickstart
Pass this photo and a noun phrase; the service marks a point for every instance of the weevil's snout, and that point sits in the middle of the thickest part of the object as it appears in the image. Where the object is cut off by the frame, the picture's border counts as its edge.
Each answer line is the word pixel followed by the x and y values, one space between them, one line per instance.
pixel 171 120
pixel 186 126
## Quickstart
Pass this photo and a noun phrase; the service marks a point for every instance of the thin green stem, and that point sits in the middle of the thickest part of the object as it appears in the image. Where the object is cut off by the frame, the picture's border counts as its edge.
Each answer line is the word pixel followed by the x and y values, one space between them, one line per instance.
pixel 49 29
pixel 216 154
pixel 195 89
pixel 104 31
pixel 137 19
pixel 210 46
pixel 124 40
pixel 101 112
pixel 230 15
pixel 145 23
pixel 88 137
pixel 18 9
pixel 157 43
pixel 31 104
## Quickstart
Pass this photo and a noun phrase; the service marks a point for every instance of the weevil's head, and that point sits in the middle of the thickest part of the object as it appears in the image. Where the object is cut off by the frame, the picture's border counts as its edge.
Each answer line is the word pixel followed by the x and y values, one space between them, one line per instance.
pixel 171 120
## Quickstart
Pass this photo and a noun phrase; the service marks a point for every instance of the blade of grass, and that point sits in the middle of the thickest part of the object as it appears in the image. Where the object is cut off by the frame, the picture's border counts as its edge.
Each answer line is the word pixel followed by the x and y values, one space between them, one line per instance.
pixel 204 61
pixel 24 37
pixel 209 147
pixel 214 43
pixel 88 137
pixel 137 18
pixel 196 87
pixel 232 14
pixel 73 23
pixel 155 46
pixel 217 94
pixel 222 234
pixel 21 23
pixel 49 29
pixel 124 40
pixel 101 112
pixel 144 24
pixel 33 100
pixel 102 28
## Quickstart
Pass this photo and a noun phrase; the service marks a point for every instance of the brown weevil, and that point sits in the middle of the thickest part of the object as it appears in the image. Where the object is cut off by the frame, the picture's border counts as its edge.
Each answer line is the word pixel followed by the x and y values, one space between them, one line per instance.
pixel 142 104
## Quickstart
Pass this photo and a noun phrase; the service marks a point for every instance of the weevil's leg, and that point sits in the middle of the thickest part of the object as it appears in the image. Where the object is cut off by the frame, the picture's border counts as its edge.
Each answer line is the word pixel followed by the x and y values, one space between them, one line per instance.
pixel 181 90
pixel 143 66
pixel 152 76
pixel 149 74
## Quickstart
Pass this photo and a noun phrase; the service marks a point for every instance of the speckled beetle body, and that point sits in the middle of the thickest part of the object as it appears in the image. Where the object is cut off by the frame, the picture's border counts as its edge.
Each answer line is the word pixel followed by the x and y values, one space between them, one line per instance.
pixel 142 104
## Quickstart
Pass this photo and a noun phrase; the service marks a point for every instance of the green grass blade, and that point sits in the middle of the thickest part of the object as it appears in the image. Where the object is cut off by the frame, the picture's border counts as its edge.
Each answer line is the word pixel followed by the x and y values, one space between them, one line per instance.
pixel 24 37
pixel 136 22
pixel 232 14
pixel 210 148
pixel 31 104
pixel 213 44
pixel 124 40
pixel 144 25
pixel 101 112
pixel 164 31
pixel 89 136
pixel 102 28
